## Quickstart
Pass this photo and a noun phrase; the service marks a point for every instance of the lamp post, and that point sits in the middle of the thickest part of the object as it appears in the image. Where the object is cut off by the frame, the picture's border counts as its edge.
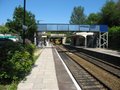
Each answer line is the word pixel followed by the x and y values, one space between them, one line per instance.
pixel 24 22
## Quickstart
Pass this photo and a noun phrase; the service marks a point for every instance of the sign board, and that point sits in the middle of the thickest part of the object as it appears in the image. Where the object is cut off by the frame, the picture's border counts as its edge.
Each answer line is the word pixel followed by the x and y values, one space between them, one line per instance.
pixel 24 27
pixel 103 28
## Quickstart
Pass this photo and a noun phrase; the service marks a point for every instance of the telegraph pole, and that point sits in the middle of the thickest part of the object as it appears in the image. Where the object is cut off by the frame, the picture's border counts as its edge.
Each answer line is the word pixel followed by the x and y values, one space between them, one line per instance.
pixel 24 22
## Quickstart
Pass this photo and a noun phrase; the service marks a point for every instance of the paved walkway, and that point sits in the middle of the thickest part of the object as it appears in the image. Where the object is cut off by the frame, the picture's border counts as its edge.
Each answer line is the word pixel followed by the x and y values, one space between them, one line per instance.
pixel 43 75
pixel 65 80
pixel 106 51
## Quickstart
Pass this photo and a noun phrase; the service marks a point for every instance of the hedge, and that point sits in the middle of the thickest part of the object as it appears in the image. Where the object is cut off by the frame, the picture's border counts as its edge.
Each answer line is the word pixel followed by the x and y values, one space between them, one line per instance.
pixel 114 37
pixel 16 61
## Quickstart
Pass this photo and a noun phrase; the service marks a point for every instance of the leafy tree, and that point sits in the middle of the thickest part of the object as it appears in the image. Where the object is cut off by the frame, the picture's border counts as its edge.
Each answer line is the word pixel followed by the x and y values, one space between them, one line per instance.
pixel 4 30
pixel 16 23
pixel 116 16
pixel 109 14
pixel 78 16
pixel 11 26
pixel 93 18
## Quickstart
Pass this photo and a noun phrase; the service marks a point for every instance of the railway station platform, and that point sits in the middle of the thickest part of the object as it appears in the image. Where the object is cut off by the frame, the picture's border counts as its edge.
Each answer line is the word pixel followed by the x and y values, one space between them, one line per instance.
pixel 49 73
pixel 107 55
pixel 105 51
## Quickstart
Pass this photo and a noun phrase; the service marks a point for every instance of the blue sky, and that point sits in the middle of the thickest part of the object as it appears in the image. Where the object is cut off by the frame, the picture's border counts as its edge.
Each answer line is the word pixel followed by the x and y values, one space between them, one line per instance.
pixel 49 11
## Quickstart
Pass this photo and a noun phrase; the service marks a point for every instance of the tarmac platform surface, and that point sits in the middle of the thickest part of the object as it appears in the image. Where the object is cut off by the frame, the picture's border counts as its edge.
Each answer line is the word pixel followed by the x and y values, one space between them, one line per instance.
pixel 105 51
pixel 102 50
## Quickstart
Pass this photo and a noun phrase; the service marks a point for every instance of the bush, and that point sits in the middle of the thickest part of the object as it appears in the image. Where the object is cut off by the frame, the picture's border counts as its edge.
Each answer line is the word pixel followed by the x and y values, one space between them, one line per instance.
pixel 21 64
pixel 114 37
pixel 16 61
pixel 30 48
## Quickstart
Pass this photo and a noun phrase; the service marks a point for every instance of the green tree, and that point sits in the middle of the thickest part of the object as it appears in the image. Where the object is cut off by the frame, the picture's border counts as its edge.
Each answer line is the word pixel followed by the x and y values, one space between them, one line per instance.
pixel 116 16
pixel 11 26
pixel 16 23
pixel 4 30
pixel 78 16
pixel 108 14
pixel 93 18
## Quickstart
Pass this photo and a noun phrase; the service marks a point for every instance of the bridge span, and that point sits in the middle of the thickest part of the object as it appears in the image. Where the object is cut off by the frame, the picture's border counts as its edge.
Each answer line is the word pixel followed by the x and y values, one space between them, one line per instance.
pixel 99 36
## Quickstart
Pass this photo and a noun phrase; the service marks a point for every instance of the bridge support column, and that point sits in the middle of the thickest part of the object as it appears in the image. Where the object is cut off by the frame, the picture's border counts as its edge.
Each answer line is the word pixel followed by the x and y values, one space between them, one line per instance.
pixel 103 40
pixel 77 41
pixel 85 41
pixel 35 41
pixel 63 40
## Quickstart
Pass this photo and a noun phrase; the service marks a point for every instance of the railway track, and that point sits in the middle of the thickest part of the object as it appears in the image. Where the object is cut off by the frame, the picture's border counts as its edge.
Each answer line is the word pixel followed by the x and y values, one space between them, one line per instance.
pixel 115 70
pixel 89 76
pixel 104 65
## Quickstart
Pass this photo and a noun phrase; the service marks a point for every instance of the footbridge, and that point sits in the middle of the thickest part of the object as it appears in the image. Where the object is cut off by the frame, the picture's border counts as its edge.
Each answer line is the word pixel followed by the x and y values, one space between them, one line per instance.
pixel 99 32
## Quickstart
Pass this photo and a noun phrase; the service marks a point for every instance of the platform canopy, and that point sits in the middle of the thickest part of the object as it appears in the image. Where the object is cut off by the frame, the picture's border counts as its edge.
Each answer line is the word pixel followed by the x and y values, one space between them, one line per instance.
pixel 57 35
pixel 72 27
pixel 84 34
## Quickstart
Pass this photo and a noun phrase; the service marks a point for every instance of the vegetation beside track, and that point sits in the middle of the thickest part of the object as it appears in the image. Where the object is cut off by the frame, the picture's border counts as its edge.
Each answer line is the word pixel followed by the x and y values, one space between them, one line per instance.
pixel 16 62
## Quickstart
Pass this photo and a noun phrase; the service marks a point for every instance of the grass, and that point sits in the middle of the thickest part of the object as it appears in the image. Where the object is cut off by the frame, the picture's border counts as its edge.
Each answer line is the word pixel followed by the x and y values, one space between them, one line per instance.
pixel 37 53
pixel 12 86
pixel 36 57
pixel 3 87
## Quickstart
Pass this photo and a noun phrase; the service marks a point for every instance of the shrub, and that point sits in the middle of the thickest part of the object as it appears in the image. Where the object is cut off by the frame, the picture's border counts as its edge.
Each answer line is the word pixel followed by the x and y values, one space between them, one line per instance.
pixel 21 64
pixel 16 61
pixel 30 48
pixel 114 37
